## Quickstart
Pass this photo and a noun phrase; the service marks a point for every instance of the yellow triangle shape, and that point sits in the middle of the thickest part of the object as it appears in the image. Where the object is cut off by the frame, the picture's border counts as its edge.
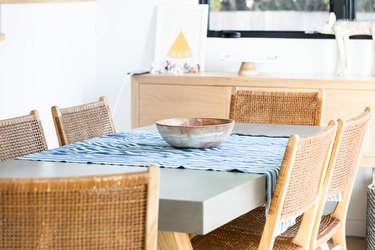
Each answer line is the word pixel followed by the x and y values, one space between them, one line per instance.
pixel 180 48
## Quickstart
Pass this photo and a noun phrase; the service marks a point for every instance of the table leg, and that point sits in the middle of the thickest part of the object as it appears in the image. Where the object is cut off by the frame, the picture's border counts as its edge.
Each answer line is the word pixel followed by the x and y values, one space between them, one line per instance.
pixel 173 241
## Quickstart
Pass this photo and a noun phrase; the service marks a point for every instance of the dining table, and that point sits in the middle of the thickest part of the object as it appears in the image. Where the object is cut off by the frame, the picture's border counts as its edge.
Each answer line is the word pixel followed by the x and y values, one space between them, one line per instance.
pixel 191 201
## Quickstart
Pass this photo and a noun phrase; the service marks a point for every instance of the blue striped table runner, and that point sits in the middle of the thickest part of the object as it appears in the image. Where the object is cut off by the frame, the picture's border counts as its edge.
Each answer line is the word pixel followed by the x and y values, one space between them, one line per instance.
pixel 245 153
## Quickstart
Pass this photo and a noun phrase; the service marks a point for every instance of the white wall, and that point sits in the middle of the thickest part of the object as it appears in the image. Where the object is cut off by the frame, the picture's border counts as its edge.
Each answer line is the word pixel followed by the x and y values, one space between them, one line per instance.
pixel 125 43
pixel 310 56
pixel 48 58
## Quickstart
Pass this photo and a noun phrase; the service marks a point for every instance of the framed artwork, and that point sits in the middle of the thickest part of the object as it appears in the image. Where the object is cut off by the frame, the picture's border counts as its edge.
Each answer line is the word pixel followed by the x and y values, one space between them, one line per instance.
pixel 180 38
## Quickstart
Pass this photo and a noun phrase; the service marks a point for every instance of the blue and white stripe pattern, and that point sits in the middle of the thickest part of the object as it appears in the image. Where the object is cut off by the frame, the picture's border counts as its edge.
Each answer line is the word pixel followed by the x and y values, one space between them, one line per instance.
pixel 244 153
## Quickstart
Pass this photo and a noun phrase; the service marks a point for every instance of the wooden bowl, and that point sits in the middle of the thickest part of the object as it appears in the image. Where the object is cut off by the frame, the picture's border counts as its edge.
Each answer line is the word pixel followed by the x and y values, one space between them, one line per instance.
pixel 195 132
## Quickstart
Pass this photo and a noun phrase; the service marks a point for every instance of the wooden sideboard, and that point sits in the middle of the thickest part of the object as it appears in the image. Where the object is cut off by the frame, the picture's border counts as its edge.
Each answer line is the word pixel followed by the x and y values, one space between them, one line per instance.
pixel 162 96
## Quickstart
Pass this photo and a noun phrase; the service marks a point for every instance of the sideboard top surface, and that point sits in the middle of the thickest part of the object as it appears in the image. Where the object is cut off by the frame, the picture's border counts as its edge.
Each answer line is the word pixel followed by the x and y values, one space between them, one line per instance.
pixel 262 80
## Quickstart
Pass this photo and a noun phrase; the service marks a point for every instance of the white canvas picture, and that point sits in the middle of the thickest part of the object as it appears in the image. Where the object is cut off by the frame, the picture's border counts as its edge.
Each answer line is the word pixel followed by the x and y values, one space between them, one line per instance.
pixel 181 34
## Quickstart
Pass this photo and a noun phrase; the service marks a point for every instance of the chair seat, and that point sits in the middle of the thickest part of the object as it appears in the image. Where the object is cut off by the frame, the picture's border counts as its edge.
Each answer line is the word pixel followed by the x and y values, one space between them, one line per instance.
pixel 252 224
pixel 256 218
pixel 228 238
pixel 327 228
pixel 242 233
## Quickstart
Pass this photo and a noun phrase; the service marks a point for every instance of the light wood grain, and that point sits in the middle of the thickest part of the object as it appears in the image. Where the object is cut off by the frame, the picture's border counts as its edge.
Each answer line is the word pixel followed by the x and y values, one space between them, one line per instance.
pixel 173 241
pixel 56 116
pixel 161 96
pixel 160 101
pixel 135 110
pixel 274 216
pixel 346 104
pixel 263 80
pixel 152 209
pixel 306 230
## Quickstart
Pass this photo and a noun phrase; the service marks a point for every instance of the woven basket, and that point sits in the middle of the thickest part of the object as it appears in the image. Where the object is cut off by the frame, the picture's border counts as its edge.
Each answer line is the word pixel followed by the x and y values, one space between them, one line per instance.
pixel 370 220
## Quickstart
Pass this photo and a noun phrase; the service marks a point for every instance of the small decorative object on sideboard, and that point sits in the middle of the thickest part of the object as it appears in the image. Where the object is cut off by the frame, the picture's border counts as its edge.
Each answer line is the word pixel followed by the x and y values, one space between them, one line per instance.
pixel 343 29
pixel 169 67
pixel 247 68
pixel 195 132
pixel 248 62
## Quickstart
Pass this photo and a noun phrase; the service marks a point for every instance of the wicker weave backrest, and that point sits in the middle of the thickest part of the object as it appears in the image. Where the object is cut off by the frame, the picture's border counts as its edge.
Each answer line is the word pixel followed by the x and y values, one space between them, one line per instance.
pixel 306 172
pixel 277 106
pixel 82 122
pixel 21 136
pixel 341 172
pixel 300 182
pixel 349 152
pixel 97 212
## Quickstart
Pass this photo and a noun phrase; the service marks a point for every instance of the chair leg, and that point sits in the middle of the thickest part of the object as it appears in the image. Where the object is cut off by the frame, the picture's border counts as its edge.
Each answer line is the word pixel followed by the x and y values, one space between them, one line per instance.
pixel 324 246
pixel 173 241
pixel 339 238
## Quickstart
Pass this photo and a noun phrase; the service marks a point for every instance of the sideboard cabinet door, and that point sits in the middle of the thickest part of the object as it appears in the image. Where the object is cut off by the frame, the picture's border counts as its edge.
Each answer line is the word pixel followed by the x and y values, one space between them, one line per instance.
pixel 158 101
pixel 346 104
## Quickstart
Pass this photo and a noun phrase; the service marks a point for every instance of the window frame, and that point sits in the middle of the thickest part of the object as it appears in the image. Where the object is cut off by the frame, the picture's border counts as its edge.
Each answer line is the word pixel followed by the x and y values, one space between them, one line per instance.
pixel 269 34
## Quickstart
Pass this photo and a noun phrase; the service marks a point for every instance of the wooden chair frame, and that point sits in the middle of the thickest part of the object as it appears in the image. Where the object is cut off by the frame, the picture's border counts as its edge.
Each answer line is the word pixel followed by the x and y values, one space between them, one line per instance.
pixel 338 233
pixel 33 142
pixel 303 237
pixel 20 219
pixel 333 225
pixel 282 206
pixel 61 130
pixel 269 111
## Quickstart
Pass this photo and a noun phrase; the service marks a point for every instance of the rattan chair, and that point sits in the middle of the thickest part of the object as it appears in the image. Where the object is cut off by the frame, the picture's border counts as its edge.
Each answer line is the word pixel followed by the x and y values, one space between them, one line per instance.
pixel 21 136
pixel 82 122
pixel 297 192
pixel 116 211
pixel 340 180
pixel 275 106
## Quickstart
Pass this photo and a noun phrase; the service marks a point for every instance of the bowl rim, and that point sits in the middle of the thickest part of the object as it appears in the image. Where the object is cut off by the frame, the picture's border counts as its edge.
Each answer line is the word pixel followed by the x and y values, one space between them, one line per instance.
pixel 227 122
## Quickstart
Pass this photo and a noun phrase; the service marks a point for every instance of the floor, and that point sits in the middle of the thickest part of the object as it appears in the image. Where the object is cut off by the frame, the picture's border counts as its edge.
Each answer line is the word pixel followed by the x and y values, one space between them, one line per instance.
pixel 355 243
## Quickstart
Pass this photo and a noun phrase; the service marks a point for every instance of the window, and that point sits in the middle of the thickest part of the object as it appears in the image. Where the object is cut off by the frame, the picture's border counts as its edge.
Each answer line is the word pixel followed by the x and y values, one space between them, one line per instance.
pixel 281 18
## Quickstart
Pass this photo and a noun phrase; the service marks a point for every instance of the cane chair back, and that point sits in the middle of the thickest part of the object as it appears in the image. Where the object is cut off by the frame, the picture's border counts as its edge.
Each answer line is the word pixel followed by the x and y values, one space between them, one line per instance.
pixel 21 136
pixel 116 211
pixel 343 166
pixel 82 122
pixel 349 151
pixel 297 192
pixel 297 107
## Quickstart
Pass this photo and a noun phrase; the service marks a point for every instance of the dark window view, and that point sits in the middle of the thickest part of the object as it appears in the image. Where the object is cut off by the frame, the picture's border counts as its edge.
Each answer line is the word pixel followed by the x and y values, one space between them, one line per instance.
pixel 309 5
pixel 279 15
